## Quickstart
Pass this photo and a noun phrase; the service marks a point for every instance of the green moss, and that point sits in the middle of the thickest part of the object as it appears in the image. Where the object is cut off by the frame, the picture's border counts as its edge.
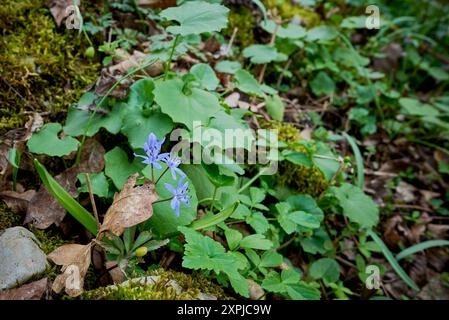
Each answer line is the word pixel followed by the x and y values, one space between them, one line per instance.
pixel 191 286
pixel 287 10
pixel 304 180
pixel 8 218
pixel 242 18
pixel 49 240
pixel 41 67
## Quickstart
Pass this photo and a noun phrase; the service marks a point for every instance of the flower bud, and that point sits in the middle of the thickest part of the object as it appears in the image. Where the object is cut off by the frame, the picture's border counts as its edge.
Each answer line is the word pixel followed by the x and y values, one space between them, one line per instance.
pixel 141 251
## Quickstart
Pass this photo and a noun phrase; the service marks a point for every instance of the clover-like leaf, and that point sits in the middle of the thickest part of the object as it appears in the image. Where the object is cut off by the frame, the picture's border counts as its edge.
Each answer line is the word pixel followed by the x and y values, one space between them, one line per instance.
pixel 46 141
pixel 196 17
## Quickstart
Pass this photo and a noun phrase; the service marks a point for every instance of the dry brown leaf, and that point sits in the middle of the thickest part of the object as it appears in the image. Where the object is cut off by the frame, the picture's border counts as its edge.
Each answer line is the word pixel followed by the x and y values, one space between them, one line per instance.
pixel 157 4
pixel 30 291
pixel 17 201
pixel 58 9
pixel 75 261
pixel 133 205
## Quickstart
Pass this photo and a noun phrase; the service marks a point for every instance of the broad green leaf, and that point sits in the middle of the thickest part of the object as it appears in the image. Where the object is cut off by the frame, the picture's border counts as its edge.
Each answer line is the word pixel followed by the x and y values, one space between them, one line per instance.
pixel 206 76
pixel 100 185
pixel 260 53
pixel 164 220
pixel 416 108
pixel 118 167
pixel 321 33
pixel 319 242
pixel 233 238
pixel 196 17
pixel 270 259
pixel 358 22
pixel 326 161
pixel 307 204
pixel 141 93
pixel 185 106
pixel 47 141
pixel 356 205
pixel 322 84
pixel 296 157
pixel 326 269
pixel 304 219
pixel 256 241
pixel 227 66
pixel 275 107
pixel 215 219
pixel 303 291
pixel 247 83
pixel 213 173
pixel 258 222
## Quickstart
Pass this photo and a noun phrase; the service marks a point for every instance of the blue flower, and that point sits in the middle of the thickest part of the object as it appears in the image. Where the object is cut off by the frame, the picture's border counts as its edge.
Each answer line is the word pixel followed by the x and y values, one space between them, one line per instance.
pixel 153 151
pixel 173 163
pixel 179 195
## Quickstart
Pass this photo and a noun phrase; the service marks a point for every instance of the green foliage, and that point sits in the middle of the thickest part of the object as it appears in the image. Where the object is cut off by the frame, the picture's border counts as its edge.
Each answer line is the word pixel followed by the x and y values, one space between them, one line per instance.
pixel 46 141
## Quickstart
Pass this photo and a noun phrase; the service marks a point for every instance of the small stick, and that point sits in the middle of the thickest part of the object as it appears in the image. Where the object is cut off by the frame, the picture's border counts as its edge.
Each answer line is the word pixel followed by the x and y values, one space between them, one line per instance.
pixel 92 200
pixel 231 41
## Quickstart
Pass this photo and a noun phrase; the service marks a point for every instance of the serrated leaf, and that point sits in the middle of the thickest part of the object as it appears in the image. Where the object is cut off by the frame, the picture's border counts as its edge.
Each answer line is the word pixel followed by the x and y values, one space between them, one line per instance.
pixel 46 141
pixel 196 17
pixel 256 241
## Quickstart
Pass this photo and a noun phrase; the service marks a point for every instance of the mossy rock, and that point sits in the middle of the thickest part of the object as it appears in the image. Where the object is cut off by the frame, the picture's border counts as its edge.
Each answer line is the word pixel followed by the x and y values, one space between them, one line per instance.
pixel 304 180
pixel 287 9
pixel 160 285
pixel 242 18
pixel 41 66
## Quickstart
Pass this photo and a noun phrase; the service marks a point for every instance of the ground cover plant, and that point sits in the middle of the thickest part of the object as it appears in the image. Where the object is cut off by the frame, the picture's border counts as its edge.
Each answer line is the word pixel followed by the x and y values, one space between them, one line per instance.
pixel 190 149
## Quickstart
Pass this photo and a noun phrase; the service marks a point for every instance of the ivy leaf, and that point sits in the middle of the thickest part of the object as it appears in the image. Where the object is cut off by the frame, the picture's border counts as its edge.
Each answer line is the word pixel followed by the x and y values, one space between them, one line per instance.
pixel 100 185
pixel 247 83
pixel 203 252
pixel 322 84
pixel 326 269
pixel 118 167
pixel 205 75
pixel 185 107
pixel 356 205
pixel 46 141
pixel 256 241
pixel 196 17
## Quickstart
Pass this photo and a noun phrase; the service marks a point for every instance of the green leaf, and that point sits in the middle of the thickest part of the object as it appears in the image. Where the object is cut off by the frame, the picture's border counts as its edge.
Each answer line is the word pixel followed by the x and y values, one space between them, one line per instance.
pixel 416 108
pixel 358 159
pixel 185 107
pixel 297 157
pixel 393 262
pixel 203 252
pixel 420 247
pixel 256 241
pixel 291 31
pixel 219 180
pixel 214 219
pixel 326 269
pixel 227 66
pixel 322 84
pixel 118 167
pixel 205 75
pixel 233 238
pixel 358 22
pixel 260 53
pixel 65 199
pixel 258 222
pixel 275 107
pixel 196 17
pixel 304 219
pixel 137 126
pixel 247 83
pixel 321 33
pixel 164 220
pixel 303 291
pixel 100 185
pixel 271 259
pixel 46 141
pixel 356 205
pixel 141 93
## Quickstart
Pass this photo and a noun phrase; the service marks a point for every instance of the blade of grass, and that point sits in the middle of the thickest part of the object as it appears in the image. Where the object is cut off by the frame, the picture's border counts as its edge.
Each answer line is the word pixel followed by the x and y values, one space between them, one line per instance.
pixel 65 199
pixel 215 219
pixel 420 247
pixel 358 159
pixel 393 262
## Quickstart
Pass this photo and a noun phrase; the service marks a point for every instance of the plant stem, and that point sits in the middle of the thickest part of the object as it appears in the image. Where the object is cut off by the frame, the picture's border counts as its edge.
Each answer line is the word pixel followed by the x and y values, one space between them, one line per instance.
pixel 166 169
pixel 213 199
pixel 152 174
pixel 168 63
pixel 92 200
pixel 250 182
pixel 163 200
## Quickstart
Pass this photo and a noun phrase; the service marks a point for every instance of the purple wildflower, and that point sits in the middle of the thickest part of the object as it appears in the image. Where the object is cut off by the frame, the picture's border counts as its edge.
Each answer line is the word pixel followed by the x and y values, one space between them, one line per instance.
pixel 179 195
pixel 173 162
pixel 153 151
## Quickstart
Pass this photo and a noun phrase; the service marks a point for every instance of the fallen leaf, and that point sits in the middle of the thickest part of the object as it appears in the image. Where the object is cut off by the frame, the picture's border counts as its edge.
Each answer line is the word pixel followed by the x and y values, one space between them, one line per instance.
pixel 58 9
pixel 75 261
pixel 131 206
pixel 30 291
pixel 157 4
pixel 17 201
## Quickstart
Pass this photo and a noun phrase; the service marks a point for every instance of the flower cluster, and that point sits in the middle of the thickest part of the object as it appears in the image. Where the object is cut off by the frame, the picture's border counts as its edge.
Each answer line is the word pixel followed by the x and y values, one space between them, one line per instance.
pixel 153 157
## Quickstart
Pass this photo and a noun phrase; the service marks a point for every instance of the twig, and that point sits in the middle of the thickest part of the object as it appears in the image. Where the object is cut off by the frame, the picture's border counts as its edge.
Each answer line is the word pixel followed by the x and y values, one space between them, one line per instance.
pixel 281 77
pixel 92 200
pixel 231 41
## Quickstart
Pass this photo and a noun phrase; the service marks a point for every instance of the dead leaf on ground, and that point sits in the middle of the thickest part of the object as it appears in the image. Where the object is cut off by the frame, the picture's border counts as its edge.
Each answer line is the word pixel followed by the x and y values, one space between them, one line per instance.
pixel 131 206
pixel 30 291
pixel 58 9
pixel 157 4
pixel 17 201
pixel 75 261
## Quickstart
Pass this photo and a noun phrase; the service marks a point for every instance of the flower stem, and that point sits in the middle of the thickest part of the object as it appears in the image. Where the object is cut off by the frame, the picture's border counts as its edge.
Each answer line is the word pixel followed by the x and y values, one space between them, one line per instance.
pixel 152 174
pixel 163 200
pixel 168 63
pixel 166 169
